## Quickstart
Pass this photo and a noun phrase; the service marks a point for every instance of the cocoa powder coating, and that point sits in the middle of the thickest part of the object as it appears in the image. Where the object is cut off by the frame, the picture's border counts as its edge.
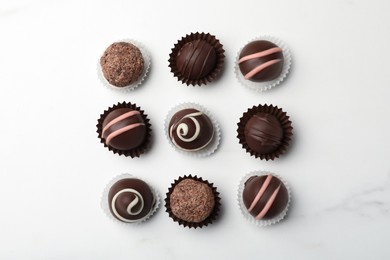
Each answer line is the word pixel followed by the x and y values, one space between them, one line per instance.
pixel 192 201
pixel 122 64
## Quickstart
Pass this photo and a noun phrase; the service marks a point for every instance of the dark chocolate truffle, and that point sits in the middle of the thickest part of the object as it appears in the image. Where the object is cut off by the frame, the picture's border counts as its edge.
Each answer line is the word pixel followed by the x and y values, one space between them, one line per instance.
pixel 197 59
pixel 263 133
pixel 122 64
pixel 125 129
pixel 190 130
pixel 265 197
pixel 261 61
pixel 192 202
pixel 131 200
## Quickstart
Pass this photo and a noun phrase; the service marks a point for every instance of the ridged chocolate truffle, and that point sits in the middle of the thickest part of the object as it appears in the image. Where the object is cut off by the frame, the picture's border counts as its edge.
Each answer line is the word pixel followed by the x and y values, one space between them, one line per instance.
pixel 192 201
pixel 122 64
pixel 263 133
pixel 190 130
pixel 124 129
pixel 196 59
pixel 131 200
pixel 265 197
pixel 261 61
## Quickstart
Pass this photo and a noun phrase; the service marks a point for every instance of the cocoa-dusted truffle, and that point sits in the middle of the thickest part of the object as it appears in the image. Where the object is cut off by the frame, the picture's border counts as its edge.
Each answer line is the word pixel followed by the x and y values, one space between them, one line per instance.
pixel 190 130
pixel 125 129
pixel 131 200
pixel 122 64
pixel 197 59
pixel 261 61
pixel 192 202
pixel 265 197
pixel 265 131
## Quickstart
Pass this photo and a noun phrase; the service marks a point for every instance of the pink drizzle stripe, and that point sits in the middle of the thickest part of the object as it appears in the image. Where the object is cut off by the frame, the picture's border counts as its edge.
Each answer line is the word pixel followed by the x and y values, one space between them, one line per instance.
pixel 122 130
pixel 119 118
pixel 260 54
pixel 268 205
pixel 256 70
pixel 260 193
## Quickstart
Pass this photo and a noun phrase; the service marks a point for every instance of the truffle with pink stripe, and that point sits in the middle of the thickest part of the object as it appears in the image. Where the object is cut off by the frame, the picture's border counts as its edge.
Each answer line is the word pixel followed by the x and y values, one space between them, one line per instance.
pixel 261 61
pixel 265 197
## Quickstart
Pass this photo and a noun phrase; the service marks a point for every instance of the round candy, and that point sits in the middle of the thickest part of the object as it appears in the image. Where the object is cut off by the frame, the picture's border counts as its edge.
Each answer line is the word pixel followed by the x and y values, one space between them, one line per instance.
pixel 261 61
pixel 265 197
pixel 263 133
pixel 122 64
pixel 131 200
pixel 124 129
pixel 190 130
pixel 196 59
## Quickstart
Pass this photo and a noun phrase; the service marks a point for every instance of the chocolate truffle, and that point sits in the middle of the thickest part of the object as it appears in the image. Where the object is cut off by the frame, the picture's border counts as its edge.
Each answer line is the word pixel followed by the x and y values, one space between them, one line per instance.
pixel 190 130
pixel 197 59
pixel 265 131
pixel 192 202
pixel 125 129
pixel 131 200
pixel 265 197
pixel 261 61
pixel 122 64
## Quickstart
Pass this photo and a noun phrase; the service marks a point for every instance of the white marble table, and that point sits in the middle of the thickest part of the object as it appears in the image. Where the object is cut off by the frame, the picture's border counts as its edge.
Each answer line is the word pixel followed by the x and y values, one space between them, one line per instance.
pixel 53 168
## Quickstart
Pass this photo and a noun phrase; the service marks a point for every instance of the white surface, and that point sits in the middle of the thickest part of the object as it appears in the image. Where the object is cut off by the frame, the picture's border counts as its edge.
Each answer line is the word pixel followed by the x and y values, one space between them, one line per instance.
pixel 53 168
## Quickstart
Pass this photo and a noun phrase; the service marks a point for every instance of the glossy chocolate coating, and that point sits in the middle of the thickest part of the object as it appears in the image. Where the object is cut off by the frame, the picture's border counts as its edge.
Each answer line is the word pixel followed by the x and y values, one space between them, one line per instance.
pixel 196 59
pixel 122 64
pixel 263 133
pixel 133 127
pixel 192 200
pixel 130 200
pixel 190 130
pixel 270 72
pixel 265 207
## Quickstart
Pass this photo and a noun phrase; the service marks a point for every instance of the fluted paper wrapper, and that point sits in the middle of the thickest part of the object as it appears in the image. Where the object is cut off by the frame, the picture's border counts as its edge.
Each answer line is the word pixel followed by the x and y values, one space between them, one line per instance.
pixel 213 41
pixel 244 210
pixel 105 204
pixel 263 86
pixel 282 118
pixel 212 146
pixel 147 63
pixel 136 152
pixel 209 220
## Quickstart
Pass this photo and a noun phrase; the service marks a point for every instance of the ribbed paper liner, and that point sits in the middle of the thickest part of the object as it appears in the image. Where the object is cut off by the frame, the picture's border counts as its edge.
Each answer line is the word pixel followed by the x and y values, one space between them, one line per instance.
pixel 106 207
pixel 192 37
pixel 136 152
pixel 263 86
pixel 209 220
pixel 284 121
pixel 212 146
pixel 244 210
pixel 147 62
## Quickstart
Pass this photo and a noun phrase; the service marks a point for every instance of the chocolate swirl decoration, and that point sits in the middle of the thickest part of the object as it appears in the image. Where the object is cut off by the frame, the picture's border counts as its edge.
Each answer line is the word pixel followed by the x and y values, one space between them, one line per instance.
pixel 190 130
pixel 261 61
pixel 131 200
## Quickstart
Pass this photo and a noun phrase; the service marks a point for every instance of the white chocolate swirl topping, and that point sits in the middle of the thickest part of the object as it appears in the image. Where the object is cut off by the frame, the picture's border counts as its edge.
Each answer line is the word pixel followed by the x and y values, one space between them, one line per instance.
pixel 137 201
